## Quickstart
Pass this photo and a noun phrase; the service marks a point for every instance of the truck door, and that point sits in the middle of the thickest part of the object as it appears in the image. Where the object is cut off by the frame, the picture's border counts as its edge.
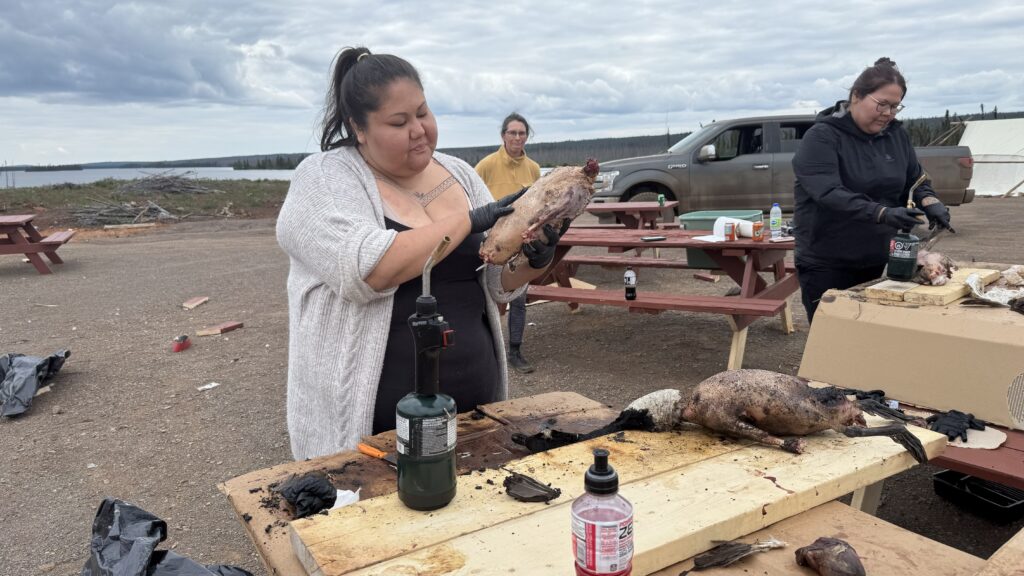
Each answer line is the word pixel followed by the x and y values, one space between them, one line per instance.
pixel 789 136
pixel 739 176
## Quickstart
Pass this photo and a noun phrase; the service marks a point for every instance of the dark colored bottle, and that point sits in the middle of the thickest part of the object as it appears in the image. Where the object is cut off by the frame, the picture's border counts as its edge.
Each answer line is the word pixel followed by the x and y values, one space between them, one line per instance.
pixel 629 279
pixel 903 256
pixel 425 418
pixel 602 523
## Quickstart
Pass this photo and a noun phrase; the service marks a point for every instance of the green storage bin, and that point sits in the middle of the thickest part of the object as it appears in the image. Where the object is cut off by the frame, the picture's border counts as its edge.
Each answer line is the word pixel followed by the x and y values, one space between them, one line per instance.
pixel 705 220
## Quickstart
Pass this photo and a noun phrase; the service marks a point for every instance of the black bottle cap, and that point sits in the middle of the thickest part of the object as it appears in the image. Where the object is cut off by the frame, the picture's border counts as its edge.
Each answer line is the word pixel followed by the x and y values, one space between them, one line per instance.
pixel 426 305
pixel 601 478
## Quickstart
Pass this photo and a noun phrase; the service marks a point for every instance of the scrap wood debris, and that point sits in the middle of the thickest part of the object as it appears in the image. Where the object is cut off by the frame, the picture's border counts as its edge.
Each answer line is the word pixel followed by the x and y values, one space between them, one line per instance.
pixel 219 329
pixel 195 302
pixel 167 183
pixel 104 213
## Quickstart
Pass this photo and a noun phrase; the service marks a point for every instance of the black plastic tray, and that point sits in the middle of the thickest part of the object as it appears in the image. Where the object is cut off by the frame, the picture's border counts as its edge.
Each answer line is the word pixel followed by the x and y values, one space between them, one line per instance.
pixel 989 499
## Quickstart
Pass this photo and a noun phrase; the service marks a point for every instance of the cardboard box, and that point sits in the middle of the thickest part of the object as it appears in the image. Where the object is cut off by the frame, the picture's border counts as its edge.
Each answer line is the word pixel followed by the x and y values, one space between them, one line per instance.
pixel 939 357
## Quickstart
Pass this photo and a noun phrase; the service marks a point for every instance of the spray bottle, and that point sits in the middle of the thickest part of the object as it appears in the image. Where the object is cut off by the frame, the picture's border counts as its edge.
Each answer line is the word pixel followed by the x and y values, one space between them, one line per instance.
pixel 425 418
pixel 602 523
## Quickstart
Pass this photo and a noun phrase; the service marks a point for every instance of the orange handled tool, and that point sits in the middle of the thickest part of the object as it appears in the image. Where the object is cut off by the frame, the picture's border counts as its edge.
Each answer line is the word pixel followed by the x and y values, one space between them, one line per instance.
pixel 375 453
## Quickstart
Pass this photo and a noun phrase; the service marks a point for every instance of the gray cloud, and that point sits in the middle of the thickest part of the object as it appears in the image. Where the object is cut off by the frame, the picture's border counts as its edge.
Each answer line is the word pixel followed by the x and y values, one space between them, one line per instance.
pixel 256 71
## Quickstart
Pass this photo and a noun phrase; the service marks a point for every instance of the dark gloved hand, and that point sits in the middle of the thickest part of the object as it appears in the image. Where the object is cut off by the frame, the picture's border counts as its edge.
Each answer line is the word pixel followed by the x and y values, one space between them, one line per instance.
pixel 938 215
pixel 483 218
pixel 954 423
pixel 539 254
pixel 901 218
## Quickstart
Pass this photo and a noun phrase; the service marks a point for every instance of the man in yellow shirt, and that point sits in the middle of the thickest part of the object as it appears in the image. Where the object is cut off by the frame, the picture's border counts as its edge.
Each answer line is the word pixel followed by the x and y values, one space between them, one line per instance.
pixel 507 171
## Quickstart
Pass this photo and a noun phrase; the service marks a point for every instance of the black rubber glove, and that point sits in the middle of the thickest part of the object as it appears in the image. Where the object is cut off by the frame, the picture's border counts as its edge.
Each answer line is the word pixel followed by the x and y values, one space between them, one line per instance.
pixel 483 218
pixel 539 254
pixel 938 215
pixel 954 423
pixel 901 218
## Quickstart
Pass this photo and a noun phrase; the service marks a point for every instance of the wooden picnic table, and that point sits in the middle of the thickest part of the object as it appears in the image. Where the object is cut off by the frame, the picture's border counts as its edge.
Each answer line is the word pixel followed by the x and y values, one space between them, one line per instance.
pixel 634 214
pixel 742 260
pixel 722 489
pixel 19 236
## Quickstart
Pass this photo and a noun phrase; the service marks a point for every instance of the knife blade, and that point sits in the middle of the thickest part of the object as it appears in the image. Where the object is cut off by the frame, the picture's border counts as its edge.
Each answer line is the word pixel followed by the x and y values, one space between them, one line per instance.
pixel 388 457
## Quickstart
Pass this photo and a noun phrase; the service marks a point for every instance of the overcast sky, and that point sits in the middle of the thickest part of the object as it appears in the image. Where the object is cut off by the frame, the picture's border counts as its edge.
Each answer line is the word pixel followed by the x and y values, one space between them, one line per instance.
pixel 92 80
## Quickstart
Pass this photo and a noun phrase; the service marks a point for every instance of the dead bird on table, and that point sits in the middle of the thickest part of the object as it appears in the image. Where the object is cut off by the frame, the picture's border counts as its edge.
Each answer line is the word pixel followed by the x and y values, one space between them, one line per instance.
pixel 934 268
pixel 761 405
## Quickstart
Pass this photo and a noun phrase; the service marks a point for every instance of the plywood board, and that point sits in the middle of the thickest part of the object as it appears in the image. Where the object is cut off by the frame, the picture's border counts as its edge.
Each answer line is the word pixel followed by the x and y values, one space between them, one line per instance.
pixel 266 523
pixel 952 290
pixel 884 548
pixel 890 290
pixel 687 489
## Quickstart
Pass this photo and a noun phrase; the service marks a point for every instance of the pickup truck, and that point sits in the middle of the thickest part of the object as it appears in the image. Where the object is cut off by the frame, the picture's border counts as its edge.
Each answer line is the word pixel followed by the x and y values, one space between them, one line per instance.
pixel 747 163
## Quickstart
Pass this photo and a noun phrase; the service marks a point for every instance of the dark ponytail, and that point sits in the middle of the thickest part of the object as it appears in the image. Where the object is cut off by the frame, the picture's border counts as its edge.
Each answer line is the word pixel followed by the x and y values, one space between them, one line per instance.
pixel 357 81
pixel 884 72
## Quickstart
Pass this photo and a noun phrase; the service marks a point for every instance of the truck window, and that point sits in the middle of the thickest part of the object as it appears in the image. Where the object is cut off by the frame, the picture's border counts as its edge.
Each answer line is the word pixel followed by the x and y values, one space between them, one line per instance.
pixel 791 134
pixel 737 142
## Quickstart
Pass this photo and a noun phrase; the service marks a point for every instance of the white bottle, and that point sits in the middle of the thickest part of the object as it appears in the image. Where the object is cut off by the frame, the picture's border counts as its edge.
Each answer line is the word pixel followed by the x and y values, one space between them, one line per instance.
pixel 775 221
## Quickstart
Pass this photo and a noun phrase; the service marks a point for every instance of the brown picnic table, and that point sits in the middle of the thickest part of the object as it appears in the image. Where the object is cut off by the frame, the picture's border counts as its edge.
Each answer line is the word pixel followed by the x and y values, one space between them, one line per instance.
pixel 19 236
pixel 742 260
pixel 634 214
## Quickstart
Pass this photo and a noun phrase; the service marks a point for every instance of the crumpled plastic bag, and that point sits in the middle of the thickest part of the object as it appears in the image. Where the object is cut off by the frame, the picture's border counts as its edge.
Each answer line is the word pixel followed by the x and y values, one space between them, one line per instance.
pixel 21 376
pixel 997 296
pixel 124 541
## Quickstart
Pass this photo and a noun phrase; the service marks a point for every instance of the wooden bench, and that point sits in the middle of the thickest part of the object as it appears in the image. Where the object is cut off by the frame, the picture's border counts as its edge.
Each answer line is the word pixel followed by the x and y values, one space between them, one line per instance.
pixel 58 238
pixel 623 261
pixel 657 302
pixel 637 262
pixel 733 308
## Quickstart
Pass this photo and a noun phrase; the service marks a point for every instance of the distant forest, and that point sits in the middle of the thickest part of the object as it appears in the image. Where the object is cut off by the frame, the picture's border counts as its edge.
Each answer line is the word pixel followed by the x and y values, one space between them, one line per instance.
pixel 934 131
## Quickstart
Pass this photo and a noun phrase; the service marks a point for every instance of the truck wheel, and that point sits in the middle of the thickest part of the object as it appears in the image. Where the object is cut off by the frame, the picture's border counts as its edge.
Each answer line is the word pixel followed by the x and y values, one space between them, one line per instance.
pixel 651 195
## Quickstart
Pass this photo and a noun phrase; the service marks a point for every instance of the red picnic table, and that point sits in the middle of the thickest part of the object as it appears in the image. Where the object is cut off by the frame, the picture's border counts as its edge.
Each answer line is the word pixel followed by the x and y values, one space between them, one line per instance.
pixel 634 214
pixel 19 236
pixel 742 260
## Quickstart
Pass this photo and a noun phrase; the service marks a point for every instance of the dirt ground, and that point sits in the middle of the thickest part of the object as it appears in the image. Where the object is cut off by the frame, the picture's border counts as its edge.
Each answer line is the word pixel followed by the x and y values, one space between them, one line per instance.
pixel 125 418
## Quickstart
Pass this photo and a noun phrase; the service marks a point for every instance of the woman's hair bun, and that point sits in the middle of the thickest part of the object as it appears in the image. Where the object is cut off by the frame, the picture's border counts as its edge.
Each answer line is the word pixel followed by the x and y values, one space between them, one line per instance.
pixel 885 61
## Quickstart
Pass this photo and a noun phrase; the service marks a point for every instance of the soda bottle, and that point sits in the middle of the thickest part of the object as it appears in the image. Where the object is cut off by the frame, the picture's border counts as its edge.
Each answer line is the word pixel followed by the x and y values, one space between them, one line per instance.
pixel 602 523
pixel 775 221
pixel 629 279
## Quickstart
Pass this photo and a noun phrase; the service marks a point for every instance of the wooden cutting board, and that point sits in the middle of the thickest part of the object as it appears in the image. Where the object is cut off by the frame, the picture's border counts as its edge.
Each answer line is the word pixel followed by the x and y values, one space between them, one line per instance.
pixel 893 291
pixel 687 488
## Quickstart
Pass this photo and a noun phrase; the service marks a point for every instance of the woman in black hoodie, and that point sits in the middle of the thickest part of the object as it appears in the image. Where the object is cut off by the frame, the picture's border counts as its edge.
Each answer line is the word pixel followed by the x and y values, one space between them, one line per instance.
pixel 854 169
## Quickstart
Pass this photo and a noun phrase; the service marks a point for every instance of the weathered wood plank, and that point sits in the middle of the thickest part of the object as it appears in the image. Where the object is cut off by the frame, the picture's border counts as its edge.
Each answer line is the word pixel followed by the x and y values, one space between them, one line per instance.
pixel 952 290
pixel 688 489
pixel 884 548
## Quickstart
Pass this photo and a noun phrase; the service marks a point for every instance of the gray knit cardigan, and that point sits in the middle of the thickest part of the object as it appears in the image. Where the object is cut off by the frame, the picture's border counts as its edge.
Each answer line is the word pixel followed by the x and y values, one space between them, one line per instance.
pixel 332 228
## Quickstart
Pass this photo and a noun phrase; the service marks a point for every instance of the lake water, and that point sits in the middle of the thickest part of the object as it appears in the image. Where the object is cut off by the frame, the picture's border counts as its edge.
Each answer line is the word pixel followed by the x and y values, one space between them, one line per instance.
pixel 22 179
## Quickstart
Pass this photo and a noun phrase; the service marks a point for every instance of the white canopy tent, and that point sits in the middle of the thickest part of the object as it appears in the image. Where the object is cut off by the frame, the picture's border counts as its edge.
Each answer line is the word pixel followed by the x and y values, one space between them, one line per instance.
pixel 998 150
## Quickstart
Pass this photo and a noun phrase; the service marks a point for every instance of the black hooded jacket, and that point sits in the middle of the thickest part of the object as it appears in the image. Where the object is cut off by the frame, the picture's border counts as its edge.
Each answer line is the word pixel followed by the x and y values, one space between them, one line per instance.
pixel 844 177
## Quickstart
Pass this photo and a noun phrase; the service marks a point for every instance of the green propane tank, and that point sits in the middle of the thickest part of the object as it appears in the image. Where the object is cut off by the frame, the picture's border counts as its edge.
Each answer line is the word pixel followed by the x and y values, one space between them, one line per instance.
pixel 425 418
pixel 903 256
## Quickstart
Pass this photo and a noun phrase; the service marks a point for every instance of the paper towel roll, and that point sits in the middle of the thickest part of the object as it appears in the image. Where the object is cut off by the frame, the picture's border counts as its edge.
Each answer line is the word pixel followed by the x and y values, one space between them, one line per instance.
pixel 743 227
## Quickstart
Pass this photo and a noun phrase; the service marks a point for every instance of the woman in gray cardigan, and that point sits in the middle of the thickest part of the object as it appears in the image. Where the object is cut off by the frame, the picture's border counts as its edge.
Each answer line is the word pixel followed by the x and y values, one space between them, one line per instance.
pixel 360 219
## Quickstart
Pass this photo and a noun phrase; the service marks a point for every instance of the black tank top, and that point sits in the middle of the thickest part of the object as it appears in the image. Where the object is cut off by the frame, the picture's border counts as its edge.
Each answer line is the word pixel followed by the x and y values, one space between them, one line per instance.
pixel 469 369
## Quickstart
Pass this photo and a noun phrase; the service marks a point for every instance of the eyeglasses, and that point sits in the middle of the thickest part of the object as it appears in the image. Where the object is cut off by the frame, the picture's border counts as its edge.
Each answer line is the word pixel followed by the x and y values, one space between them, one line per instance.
pixel 515 134
pixel 883 106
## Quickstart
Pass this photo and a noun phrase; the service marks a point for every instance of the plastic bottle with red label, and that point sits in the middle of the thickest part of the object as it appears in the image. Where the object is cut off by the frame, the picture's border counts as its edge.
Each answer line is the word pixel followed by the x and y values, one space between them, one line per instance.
pixel 602 523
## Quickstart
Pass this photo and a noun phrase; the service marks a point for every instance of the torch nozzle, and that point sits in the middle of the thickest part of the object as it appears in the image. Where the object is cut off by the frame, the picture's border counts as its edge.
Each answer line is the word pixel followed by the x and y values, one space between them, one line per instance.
pixel 431 260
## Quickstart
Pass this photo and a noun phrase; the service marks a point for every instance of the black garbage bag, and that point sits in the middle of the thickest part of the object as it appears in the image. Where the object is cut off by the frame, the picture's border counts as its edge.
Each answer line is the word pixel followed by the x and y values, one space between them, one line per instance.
pixel 21 376
pixel 124 541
